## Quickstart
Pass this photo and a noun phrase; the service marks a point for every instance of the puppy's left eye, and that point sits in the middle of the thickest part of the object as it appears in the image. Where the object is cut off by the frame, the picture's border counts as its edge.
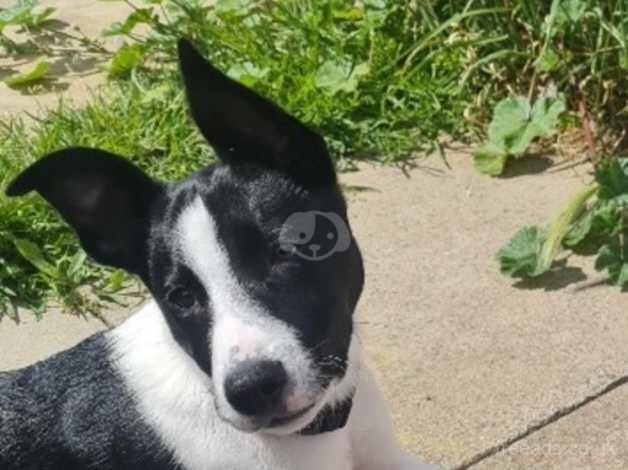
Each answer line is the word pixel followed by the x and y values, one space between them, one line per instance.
pixel 182 297
pixel 282 253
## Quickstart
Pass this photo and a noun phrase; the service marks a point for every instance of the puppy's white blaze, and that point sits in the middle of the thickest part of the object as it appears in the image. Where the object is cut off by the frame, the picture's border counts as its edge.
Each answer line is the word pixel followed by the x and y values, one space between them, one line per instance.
pixel 241 327
pixel 172 393
pixel 173 397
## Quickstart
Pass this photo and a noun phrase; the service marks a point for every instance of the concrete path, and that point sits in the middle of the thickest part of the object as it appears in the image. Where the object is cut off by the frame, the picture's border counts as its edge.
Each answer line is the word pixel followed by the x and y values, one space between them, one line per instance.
pixel 479 373
pixel 76 73
pixel 470 362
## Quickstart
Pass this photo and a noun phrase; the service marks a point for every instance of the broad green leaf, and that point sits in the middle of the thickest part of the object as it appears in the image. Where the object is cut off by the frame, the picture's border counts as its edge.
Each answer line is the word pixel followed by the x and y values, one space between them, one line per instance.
pixel 116 280
pixel 608 220
pixel 360 70
pixel 548 62
pixel 612 258
pixel 509 117
pixel 490 160
pixel 332 75
pixel 606 256
pixel 519 141
pixel 563 14
pixel 125 60
pixel 247 73
pixel 620 275
pixel 516 123
pixel 18 14
pixel 520 257
pixel 31 77
pixel 613 179
pixel 545 115
pixel 569 12
pixel 8 291
pixel 34 255
pixel 335 76
pixel 604 220
pixel 238 7
pixel 139 16
pixel 39 18
pixel 24 13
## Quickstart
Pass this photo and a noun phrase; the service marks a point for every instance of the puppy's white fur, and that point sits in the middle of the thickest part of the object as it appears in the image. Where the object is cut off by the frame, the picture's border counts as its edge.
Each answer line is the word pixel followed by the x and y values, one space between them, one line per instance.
pixel 241 328
pixel 174 396
pixel 188 409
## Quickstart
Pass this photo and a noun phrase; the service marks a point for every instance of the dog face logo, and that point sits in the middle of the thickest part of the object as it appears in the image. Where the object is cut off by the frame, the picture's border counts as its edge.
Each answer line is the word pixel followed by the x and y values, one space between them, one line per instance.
pixel 314 235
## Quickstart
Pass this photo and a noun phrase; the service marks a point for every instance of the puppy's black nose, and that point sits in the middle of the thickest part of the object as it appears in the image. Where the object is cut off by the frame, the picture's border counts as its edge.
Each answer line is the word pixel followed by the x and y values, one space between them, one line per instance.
pixel 254 388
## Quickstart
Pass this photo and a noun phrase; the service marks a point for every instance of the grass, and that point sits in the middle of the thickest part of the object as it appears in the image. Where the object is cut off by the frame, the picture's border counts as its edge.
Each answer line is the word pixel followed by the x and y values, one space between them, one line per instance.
pixel 382 79
pixel 152 129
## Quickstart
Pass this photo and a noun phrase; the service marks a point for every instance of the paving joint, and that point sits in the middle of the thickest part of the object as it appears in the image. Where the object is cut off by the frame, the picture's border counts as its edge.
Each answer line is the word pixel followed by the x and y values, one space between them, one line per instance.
pixel 538 426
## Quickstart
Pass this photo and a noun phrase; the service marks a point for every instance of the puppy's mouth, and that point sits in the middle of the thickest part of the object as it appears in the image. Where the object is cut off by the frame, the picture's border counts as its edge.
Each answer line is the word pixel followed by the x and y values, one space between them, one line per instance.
pixel 280 424
pixel 279 421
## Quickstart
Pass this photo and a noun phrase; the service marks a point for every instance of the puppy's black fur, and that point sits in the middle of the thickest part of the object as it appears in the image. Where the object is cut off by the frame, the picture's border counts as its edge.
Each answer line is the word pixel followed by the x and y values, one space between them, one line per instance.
pixel 73 411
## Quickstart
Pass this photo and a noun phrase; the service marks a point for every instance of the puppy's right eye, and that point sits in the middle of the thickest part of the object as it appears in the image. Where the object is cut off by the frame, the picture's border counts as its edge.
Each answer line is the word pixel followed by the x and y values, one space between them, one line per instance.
pixel 282 252
pixel 182 297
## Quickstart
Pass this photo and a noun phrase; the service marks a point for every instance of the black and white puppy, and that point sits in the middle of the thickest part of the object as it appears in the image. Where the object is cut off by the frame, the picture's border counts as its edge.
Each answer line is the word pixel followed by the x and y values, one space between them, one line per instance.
pixel 247 358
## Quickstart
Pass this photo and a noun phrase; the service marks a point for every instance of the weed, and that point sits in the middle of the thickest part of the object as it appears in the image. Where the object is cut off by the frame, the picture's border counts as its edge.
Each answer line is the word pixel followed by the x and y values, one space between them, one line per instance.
pixel 516 124
pixel 596 218
pixel 352 72
pixel 39 256
pixel 577 47
pixel 379 78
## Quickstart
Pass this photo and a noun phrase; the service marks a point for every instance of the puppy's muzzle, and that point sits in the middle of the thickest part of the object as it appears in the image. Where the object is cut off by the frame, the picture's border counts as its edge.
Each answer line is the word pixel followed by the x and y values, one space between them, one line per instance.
pixel 255 388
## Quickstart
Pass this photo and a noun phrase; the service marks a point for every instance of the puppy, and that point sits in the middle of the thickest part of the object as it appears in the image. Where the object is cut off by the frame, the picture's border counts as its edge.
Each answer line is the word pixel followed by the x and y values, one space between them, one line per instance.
pixel 246 357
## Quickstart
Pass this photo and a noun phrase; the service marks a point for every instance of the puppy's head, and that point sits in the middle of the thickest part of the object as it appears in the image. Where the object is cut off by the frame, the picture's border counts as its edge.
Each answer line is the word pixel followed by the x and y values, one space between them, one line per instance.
pixel 230 253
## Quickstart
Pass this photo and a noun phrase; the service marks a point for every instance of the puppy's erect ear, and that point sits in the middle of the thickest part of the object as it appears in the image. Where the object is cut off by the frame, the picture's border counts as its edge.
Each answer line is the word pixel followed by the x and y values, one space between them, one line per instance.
pixel 243 126
pixel 102 196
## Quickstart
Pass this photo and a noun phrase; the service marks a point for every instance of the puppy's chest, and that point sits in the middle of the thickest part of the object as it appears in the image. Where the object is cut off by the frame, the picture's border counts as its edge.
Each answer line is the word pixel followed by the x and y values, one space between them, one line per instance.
pixel 226 450
pixel 173 397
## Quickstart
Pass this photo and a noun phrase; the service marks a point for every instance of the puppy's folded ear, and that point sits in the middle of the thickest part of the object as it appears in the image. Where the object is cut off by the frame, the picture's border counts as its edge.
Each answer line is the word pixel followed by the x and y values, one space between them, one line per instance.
pixel 104 197
pixel 242 126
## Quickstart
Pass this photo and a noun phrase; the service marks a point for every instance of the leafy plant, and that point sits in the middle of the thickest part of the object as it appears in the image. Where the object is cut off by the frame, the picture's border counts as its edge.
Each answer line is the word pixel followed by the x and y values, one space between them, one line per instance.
pixel 36 75
pixel 127 58
pixel 520 257
pixel 350 70
pixel 516 124
pixel 578 47
pixel 595 217
pixel 25 13
pixel 38 35
pixel 380 79
pixel 40 260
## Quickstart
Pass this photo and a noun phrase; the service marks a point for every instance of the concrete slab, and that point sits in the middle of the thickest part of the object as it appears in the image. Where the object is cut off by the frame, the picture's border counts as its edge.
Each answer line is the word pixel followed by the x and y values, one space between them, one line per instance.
pixel 466 359
pixel 30 340
pixel 592 438
pixel 77 73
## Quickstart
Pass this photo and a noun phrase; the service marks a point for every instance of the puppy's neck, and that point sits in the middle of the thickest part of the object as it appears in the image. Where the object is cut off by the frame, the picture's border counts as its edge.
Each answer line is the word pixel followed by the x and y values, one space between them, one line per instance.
pixel 163 376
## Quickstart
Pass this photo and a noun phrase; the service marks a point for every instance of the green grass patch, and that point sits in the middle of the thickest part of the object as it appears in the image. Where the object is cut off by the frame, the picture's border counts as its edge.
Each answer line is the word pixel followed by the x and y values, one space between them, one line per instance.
pixel 39 256
pixel 337 67
pixel 380 79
